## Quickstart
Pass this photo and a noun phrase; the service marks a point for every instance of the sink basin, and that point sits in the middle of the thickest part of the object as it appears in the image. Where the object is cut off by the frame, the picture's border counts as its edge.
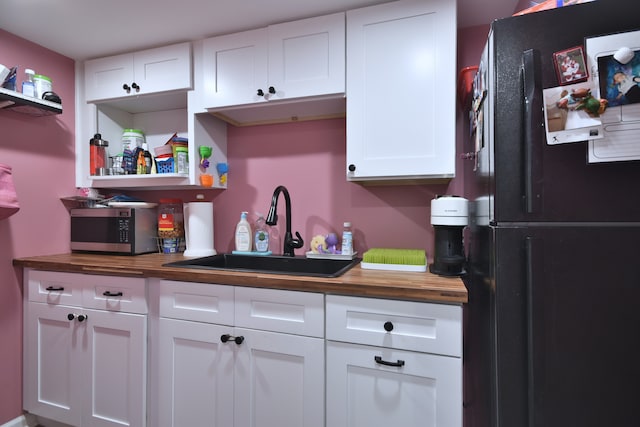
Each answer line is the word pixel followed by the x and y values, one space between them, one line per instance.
pixel 297 266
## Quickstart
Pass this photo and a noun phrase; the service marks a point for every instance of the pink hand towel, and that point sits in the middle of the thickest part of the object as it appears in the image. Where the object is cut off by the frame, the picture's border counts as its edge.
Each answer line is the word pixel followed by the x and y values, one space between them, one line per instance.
pixel 8 197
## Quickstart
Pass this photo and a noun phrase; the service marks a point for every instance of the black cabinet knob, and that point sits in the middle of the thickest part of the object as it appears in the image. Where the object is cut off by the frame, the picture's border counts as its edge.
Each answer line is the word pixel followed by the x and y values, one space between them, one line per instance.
pixel 388 326
pixel 80 317
pixel 272 90
pixel 126 87
pixel 352 168
pixel 260 92
pixel 135 86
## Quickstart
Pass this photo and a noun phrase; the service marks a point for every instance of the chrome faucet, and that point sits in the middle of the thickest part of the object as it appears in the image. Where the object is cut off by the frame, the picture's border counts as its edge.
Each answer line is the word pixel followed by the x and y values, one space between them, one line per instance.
pixel 272 219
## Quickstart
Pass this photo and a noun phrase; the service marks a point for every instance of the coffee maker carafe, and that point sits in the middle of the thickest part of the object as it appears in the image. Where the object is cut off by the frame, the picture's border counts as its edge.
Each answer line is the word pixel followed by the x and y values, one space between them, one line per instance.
pixel 449 217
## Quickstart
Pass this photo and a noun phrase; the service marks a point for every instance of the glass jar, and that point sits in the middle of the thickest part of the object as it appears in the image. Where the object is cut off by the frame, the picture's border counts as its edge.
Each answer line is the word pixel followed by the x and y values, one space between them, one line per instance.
pixel 171 225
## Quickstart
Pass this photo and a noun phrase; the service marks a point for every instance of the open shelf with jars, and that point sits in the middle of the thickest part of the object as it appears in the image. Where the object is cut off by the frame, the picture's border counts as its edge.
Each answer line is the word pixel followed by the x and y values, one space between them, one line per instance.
pixel 16 101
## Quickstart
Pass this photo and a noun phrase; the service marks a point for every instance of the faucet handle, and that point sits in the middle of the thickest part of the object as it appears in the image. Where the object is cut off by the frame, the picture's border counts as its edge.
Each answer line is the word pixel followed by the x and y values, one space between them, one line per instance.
pixel 297 243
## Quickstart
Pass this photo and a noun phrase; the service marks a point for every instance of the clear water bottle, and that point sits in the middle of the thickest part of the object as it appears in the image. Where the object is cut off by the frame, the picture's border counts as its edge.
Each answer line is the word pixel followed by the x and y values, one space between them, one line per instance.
pixel 347 239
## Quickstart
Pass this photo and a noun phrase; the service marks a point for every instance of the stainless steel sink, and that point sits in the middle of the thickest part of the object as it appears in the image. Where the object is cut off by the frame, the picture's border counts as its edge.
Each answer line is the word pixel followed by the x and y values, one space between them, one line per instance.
pixel 297 266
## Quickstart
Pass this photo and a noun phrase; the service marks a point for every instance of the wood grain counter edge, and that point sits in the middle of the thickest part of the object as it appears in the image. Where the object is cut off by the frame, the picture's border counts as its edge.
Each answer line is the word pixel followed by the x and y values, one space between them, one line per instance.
pixel 425 287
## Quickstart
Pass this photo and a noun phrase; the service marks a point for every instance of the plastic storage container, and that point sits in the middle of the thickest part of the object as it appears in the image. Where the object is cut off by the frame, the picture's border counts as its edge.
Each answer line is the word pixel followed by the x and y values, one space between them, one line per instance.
pixel 132 139
pixel 170 225
pixel 42 84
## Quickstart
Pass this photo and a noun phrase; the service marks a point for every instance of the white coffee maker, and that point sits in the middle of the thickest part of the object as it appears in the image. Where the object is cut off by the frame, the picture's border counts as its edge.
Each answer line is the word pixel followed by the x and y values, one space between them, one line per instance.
pixel 449 217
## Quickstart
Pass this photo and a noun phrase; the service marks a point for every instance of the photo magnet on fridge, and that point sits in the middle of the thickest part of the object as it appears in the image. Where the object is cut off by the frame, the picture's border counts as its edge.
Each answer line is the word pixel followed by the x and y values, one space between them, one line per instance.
pixel 614 65
pixel 569 115
pixel 570 66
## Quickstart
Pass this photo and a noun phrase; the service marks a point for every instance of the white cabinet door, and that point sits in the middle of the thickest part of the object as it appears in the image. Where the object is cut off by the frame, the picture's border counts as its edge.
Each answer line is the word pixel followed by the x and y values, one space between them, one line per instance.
pixel 279 380
pixel 284 61
pixel 51 363
pixel 422 390
pixel 401 82
pixel 163 69
pixel 89 372
pixel 195 382
pixel 307 57
pixel 234 68
pixel 150 71
pixel 115 365
pixel 105 77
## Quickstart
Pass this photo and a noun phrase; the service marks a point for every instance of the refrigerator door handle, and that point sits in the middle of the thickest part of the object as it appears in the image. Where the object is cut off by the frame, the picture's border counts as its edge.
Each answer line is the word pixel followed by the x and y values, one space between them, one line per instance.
pixel 533 132
pixel 533 257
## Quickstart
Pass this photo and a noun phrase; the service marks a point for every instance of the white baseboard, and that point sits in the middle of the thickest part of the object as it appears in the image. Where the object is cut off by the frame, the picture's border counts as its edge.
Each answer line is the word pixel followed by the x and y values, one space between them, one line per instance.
pixel 21 421
pixel 30 420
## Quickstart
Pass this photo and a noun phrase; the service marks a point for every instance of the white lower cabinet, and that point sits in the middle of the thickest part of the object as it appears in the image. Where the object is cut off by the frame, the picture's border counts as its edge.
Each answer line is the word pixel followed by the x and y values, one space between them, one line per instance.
pixel 236 356
pixel 195 383
pixel 85 349
pixel 393 363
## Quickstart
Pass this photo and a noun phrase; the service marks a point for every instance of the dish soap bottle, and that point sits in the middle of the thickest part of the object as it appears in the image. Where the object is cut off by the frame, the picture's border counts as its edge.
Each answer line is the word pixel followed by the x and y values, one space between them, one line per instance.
pixel 243 234
pixel 261 235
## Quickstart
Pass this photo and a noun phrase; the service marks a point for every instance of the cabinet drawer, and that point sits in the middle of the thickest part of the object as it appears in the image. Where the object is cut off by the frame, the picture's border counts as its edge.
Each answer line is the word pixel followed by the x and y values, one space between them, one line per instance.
pixel 53 288
pixel 367 384
pixel 200 302
pixel 112 293
pixel 291 312
pixel 425 327
pixel 126 294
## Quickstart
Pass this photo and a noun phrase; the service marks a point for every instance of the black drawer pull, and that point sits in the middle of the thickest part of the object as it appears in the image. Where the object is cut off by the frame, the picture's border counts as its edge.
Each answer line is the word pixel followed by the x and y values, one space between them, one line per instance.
pixel 112 294
pixel 388 326
pixel 397 364
pixel 226 337
pixel 55 288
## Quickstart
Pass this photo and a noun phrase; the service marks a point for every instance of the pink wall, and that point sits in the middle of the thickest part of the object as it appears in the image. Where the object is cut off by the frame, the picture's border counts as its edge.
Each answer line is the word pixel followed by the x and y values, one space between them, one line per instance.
pixel 41 152
pixel 309 159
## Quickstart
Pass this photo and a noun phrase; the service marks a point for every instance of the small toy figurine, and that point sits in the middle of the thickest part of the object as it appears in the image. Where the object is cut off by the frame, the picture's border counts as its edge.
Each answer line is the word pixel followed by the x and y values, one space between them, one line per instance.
pixel 593 107
pixel 222 169
pixel 205 153
pixel 318 245
pixel 332 243
pixel 581 99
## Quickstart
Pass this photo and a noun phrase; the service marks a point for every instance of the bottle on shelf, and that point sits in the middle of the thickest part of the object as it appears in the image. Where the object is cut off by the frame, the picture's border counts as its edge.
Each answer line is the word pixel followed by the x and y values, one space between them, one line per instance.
pixel 97 155
pixel 347 239
pixel 28 86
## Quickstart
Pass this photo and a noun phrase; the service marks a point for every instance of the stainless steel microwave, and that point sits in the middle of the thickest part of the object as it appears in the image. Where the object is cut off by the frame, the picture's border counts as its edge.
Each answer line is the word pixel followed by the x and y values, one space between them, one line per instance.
pixel 127 231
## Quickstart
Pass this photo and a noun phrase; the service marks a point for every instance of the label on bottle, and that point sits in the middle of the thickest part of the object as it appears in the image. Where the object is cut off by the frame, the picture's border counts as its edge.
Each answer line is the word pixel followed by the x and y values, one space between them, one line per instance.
pixel 28 89
pixel 347 243
pixel 261 241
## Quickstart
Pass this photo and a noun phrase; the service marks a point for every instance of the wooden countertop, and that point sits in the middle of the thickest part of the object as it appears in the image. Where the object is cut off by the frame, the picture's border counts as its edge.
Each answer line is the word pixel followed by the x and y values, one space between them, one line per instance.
pixel 356 282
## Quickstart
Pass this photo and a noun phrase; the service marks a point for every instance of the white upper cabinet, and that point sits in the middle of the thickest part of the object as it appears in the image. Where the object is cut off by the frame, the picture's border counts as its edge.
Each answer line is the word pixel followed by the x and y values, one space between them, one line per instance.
pixel 286 61
pixel 307 58
pixel 149 71
pixel 235 67
pixel 401 82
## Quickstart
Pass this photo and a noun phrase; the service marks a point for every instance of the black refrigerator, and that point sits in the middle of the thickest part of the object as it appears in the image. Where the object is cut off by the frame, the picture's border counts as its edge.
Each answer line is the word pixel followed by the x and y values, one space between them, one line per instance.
pixel 552 326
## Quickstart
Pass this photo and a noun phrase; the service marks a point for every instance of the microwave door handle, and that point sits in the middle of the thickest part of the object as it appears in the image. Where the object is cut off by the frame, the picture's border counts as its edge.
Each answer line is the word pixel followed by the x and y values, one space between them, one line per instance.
pixel 533 129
